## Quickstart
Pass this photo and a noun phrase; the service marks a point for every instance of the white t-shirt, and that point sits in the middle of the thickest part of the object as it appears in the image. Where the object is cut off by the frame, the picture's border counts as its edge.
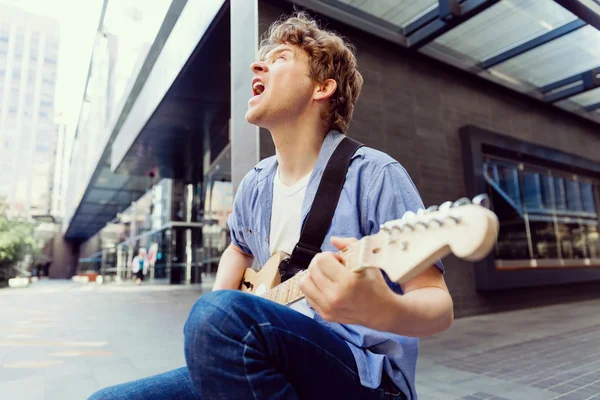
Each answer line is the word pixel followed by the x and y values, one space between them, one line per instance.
pixel 286 219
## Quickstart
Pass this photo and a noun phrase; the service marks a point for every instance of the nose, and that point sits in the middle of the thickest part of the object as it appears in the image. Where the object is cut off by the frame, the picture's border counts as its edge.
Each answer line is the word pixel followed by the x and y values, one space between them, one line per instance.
pixel 259 66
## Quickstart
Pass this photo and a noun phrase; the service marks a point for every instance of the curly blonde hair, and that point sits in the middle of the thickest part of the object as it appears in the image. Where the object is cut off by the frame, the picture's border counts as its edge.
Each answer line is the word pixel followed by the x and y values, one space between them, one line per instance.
pixel 330 57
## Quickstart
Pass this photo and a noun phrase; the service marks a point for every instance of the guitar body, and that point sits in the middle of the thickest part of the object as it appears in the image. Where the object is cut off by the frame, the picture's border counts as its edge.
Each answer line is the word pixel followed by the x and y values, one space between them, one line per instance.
pixel 264 280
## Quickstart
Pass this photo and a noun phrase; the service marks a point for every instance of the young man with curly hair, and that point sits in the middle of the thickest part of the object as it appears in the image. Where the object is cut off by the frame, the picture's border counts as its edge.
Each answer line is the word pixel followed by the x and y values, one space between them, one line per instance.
pixel 354 337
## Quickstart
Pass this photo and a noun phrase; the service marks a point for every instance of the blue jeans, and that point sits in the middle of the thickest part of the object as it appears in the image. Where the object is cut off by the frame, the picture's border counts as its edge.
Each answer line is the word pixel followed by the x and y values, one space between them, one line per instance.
pixel 240 346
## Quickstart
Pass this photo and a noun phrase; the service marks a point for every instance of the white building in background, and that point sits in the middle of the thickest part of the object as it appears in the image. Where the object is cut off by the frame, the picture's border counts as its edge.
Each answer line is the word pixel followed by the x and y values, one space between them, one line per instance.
pixel 29 46
pixel 64 143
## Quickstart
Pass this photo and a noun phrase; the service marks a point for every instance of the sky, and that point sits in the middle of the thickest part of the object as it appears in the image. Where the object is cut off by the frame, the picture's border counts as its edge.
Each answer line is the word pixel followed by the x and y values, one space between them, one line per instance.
pixel 78 20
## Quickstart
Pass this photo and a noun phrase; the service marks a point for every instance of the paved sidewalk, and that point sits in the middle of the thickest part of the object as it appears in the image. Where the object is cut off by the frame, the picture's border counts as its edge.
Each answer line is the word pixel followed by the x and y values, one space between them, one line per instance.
pixel 60 340
pixel 537 354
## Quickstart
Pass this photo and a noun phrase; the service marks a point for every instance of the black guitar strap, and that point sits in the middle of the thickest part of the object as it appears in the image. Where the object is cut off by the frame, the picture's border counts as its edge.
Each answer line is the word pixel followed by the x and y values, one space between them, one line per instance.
pixel 319 217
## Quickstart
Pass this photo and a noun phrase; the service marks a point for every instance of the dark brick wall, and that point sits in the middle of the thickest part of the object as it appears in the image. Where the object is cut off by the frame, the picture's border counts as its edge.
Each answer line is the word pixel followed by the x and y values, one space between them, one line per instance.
pixel 412 107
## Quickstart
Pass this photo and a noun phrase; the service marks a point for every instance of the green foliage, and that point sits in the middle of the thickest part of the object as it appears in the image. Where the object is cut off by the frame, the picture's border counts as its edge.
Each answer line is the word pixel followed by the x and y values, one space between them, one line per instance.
pixel 17 240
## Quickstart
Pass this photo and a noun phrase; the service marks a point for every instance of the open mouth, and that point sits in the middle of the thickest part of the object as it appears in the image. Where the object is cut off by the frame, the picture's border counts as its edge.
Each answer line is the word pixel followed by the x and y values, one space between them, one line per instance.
pixel 258 88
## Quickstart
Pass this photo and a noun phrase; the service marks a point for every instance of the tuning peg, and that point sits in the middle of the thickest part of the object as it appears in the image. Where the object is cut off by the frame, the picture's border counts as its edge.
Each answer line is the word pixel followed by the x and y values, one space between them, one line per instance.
pixel 432 208
pixel 385 228
pixel 445 206
pixel 461 202
pixel 408 215
pixel 409 226
pixel 482 200
pixel 455 219
pixel 439 222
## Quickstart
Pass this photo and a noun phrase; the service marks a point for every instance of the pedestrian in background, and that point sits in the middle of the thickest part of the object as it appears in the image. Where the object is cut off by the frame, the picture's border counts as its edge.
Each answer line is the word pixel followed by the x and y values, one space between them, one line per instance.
pixel 139 265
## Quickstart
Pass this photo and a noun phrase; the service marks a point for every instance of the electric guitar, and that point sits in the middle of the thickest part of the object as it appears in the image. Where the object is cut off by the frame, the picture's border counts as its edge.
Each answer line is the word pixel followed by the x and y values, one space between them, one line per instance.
pixel 403 248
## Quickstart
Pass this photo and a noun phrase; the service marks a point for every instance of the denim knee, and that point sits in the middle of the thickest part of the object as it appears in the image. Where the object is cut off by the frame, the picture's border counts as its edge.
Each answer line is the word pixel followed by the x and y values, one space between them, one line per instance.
pixel 213 322
pixel 210 309
pixel 103 394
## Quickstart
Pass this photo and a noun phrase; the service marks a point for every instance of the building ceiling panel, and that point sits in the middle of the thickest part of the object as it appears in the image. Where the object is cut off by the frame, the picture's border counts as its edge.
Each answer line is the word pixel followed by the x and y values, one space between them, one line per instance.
pixel 398 12
pixel 571 54
pixel 546 49
pixel 503 26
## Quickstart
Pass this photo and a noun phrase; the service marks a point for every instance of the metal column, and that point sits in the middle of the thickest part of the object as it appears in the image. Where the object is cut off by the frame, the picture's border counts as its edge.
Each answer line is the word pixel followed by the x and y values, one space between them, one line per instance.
pixel 245 147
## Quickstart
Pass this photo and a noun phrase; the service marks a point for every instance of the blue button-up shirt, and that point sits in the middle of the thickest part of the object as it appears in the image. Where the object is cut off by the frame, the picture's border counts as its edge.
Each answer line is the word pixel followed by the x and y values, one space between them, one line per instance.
pixel 377 189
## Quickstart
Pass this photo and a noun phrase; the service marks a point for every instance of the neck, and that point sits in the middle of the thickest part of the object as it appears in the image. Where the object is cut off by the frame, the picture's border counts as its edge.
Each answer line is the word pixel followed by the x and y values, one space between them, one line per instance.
pixel 297 149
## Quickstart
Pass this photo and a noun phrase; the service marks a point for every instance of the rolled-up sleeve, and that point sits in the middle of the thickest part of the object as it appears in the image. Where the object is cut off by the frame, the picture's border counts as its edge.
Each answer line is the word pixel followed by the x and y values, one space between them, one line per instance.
pixel 391 194
pixel 236 218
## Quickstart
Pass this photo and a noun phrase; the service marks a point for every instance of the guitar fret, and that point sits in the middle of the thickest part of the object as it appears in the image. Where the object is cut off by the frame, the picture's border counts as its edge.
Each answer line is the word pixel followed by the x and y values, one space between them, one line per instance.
pixel 295 288
pixel 287 294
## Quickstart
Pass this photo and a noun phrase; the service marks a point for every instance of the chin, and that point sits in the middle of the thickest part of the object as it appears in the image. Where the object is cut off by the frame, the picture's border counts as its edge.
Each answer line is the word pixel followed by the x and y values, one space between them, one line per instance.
pixel 254 118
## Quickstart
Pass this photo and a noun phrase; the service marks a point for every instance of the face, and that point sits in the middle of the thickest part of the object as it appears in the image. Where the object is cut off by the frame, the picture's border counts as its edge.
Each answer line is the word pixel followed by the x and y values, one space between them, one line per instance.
pixel 281 89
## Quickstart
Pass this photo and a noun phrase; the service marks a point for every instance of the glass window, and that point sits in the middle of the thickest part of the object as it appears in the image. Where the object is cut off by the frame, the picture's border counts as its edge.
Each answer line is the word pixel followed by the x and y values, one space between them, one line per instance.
pixel 532 191
pixel 572 240
pixel 559 194
pixel 587 196
pixel 509 181
pixel 573 196
pixel 547 192
pixel 543 239
pixel 593 240
pixel 559 218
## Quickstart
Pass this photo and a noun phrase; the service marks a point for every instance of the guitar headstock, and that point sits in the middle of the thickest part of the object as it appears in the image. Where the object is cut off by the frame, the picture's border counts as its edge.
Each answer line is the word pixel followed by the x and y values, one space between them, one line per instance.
pixel 405 247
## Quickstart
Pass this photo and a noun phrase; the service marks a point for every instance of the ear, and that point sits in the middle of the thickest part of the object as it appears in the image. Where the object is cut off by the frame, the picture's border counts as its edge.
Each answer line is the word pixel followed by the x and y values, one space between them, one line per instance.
pixel 325 90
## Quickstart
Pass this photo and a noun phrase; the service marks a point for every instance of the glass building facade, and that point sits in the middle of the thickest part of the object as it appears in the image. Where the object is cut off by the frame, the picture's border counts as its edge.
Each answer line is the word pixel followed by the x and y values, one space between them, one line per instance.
pixel 29 46
pixel 548 216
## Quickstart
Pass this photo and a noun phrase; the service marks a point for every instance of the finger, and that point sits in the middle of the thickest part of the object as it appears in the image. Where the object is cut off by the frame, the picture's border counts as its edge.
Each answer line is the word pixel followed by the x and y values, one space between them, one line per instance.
pixel 330 267
pixel 319 278
pixel 311 291
pixel 341 243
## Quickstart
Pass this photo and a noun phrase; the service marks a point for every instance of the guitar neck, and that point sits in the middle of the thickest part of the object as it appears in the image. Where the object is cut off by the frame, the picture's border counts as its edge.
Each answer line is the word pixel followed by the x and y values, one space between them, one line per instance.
pixel 406 247
pixel 286 292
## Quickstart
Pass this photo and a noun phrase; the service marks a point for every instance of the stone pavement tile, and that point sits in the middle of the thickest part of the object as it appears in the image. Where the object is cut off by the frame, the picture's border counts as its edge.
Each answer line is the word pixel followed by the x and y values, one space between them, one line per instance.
pixel 13 374
pixel 426 393
pixel 70 389
pixel 437 377
pixel 108 375
pixel 22 389
pixel 73 370
pixel 564 388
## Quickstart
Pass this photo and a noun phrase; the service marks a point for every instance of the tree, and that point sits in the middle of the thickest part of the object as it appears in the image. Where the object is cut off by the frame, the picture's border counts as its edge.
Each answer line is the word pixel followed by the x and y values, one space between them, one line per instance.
pixel 16 241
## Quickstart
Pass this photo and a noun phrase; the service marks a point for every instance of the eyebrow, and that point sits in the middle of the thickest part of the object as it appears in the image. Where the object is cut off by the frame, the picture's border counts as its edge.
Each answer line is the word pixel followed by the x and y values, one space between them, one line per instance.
pixel 274 53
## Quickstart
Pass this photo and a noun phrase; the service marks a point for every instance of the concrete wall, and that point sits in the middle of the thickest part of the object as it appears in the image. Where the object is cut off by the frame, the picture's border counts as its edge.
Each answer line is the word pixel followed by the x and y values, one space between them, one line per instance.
pixel 412 107
pixel 64 258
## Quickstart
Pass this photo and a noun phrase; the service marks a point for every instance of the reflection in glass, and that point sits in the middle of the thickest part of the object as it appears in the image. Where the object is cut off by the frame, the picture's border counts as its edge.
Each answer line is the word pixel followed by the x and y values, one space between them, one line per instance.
pixel 532 191
pixel 573 196
pixel 512 237
pixel 572 241
pixel 559 194
pixel 593 240
pixel 554 219
pixel 587 195
pixel 543 239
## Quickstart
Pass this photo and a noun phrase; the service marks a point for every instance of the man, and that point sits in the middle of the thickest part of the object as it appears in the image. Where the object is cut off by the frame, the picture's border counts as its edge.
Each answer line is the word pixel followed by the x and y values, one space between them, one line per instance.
pixel 356 334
